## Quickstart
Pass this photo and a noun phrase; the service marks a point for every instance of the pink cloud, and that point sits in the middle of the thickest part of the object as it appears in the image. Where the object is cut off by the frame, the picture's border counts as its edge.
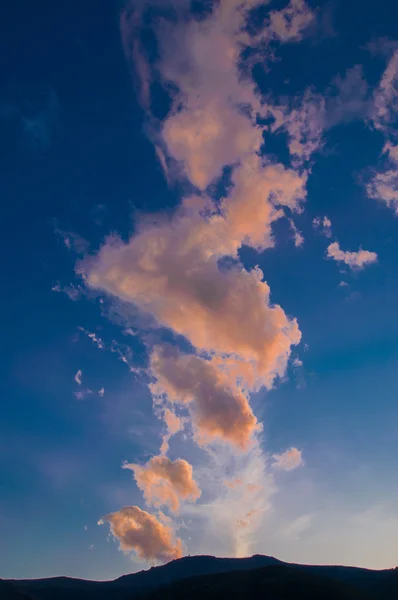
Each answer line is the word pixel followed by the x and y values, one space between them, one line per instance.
pixel 144 534
pixel 289 460
pixel 165 482
pixel 355 260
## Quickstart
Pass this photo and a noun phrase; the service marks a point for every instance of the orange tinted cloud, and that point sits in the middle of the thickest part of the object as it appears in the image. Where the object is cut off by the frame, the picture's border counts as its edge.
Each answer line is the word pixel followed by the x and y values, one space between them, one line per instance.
pixel 260 191
pixel 219 410
pixel 289 460
pixel 172 271
pixel 210 130
pixel 142 533
pixel 207 128
pixel 174 423
pixel 355 260
pixel 166 482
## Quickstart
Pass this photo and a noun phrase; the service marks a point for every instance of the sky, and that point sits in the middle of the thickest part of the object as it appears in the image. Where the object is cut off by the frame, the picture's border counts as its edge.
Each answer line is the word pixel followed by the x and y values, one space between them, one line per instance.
pixel 200 242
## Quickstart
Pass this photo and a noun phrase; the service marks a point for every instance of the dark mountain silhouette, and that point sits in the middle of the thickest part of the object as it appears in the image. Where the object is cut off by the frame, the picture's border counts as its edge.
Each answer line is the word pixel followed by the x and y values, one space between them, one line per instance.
pixel 271 583
pixel 8 592
pixel 382 585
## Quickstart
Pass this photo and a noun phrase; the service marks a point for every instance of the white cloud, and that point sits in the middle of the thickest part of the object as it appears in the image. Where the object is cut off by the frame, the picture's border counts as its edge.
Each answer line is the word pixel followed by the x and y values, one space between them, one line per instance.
pixel 228 523
pixel 78 377
pixel 93 337
pixel 72 291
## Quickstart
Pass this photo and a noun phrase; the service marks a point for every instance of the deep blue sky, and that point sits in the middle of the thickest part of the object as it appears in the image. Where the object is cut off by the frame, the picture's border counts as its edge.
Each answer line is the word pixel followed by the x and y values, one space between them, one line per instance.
pixel 77 164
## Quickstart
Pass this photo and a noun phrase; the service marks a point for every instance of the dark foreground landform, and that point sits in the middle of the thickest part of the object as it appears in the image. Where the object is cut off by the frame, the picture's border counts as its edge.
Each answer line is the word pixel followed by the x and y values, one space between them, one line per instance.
pixel 210 578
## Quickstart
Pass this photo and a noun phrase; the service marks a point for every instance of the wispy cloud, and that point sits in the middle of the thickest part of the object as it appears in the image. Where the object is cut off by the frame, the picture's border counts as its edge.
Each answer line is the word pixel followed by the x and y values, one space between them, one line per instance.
pixel 93 337
pixel 307 118
pixel 74 292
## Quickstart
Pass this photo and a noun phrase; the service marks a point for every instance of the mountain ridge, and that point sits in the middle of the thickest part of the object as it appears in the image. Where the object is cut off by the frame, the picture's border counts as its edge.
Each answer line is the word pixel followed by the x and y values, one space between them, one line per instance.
pixel 131 586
